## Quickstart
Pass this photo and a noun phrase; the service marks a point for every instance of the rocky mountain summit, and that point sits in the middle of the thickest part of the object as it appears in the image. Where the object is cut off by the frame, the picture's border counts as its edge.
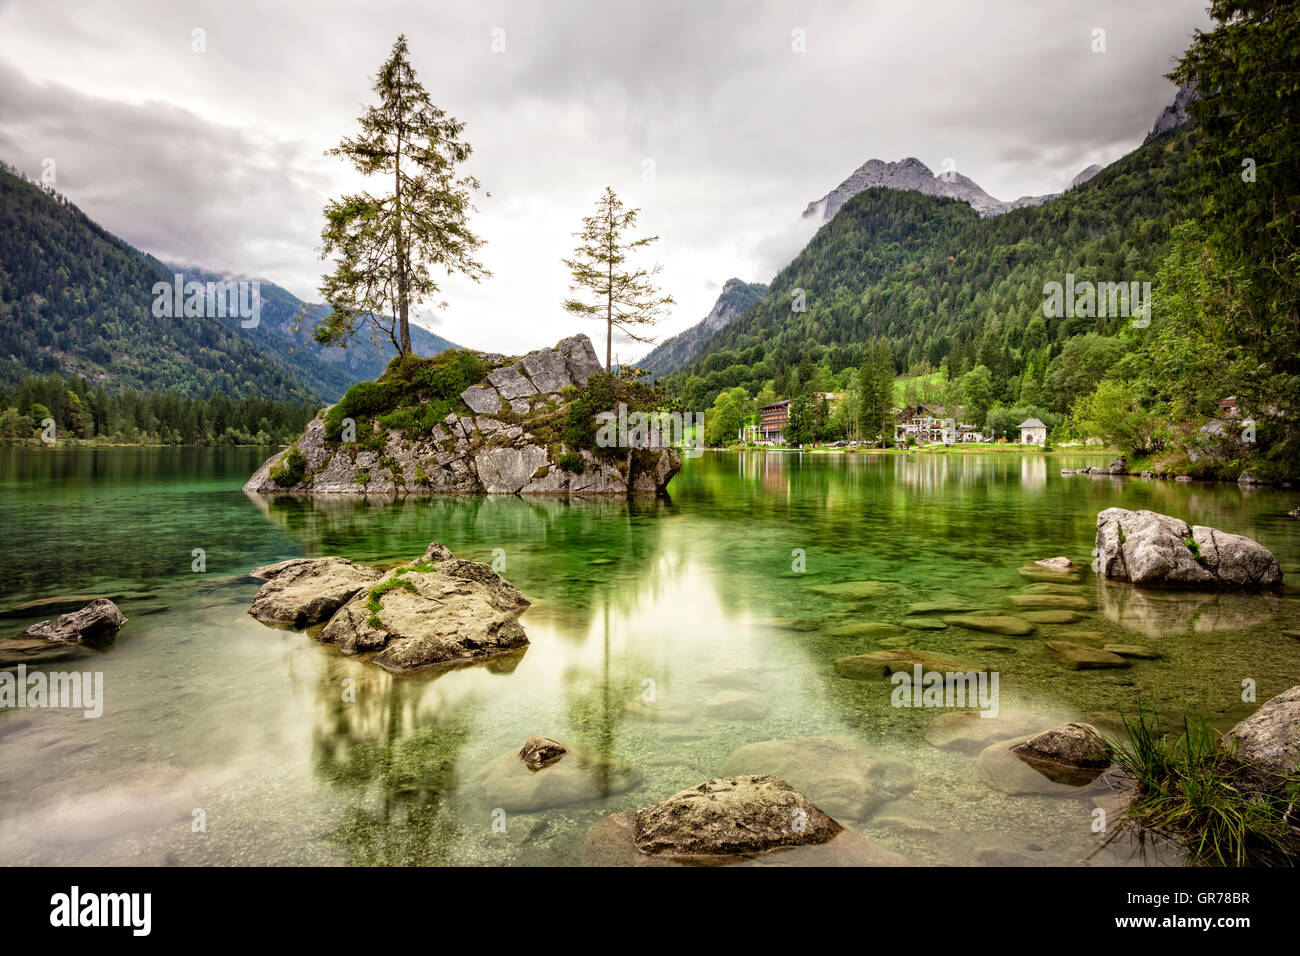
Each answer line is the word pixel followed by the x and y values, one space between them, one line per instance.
pixel 1084 175
pixel 912 174
pixel 468 422
pixel 1173 115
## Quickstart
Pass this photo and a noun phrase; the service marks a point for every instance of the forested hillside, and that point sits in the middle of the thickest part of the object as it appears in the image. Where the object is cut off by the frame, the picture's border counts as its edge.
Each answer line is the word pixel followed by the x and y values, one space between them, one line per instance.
pixel 811 311
pixel 974 297
pixel 671 354
pixel 77 301
pixel 330 369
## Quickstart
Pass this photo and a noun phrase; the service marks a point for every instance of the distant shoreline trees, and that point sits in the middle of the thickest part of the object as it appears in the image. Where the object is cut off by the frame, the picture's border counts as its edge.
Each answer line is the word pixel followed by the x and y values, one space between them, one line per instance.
pixel 131 417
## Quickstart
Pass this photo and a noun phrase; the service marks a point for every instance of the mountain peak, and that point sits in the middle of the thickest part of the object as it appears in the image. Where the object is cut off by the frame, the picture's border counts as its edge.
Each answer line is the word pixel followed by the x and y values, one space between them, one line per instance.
pixel 912 174
pixel 1084 175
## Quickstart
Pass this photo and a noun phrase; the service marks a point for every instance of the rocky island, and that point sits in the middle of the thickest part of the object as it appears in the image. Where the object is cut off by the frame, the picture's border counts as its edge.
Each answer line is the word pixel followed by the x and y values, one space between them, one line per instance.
pixel 466 422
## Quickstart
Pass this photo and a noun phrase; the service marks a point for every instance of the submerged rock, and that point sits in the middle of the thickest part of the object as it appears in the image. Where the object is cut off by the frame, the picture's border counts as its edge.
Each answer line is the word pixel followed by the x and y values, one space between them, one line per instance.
pixel 1268 741
pixel 97 622
pixel 923 624
pixel 867 629
pixel 1134 651
pixel 1043 768
pixel 1080 657
pixel 992 624
pixel 970 731
pixel 843 776
pixel 943 606
pixel 438 610
pixel 859 590
pixel 1052 617
pixel 305 591
pixel 878 664
pixel 1156 550
pixel 1076 602
pixel 736 705
pixel 575 775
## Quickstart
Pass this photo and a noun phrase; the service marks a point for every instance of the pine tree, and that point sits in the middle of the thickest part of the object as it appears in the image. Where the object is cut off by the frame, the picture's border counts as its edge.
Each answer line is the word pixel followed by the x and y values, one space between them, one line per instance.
pixel 384 245
pixel 624 297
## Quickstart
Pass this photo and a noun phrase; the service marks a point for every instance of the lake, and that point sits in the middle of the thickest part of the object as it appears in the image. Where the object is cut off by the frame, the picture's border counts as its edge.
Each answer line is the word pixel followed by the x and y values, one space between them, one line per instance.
pixel 664 636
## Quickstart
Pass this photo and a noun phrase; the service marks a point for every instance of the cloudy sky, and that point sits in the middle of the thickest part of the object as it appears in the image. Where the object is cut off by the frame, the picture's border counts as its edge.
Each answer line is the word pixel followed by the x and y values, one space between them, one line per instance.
pixel 720 120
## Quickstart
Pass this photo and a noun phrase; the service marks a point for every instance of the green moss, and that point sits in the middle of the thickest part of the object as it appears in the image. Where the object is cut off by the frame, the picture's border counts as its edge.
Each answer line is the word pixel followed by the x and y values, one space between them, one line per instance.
pixel 575 424
pixel 412 395
pixel 291 470
pixel 570 461
pixel 375 603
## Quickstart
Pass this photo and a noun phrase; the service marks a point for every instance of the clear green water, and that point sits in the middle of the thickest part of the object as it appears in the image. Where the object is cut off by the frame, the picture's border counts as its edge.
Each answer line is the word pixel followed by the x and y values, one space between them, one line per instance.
pixel 206 708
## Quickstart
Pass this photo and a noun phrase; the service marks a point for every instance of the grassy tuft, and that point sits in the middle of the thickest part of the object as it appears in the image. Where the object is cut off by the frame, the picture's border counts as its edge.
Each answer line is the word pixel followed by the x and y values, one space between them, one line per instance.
pixel 291 470
pixel 1188 788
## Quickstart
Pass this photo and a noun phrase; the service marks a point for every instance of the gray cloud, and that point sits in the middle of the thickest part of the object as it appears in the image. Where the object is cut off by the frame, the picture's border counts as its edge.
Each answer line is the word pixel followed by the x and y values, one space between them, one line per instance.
pixel 216 158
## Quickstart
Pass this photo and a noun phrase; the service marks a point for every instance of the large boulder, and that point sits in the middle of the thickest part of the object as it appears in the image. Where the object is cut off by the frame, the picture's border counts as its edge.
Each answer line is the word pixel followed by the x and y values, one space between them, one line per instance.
pixel 732 815
pixel 1267 743
pixel 845 777
pixel 433 612
pixel 438 610
pixel 305 591
pixel 752 820
pixel 1155 550
pixel 97 622
pixel 507 470
pixel 547 369
pixel 971 731
pixel 579 358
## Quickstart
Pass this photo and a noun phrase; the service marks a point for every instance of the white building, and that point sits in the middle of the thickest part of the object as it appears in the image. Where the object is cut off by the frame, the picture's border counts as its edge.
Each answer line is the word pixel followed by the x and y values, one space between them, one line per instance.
pixel 1033 432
